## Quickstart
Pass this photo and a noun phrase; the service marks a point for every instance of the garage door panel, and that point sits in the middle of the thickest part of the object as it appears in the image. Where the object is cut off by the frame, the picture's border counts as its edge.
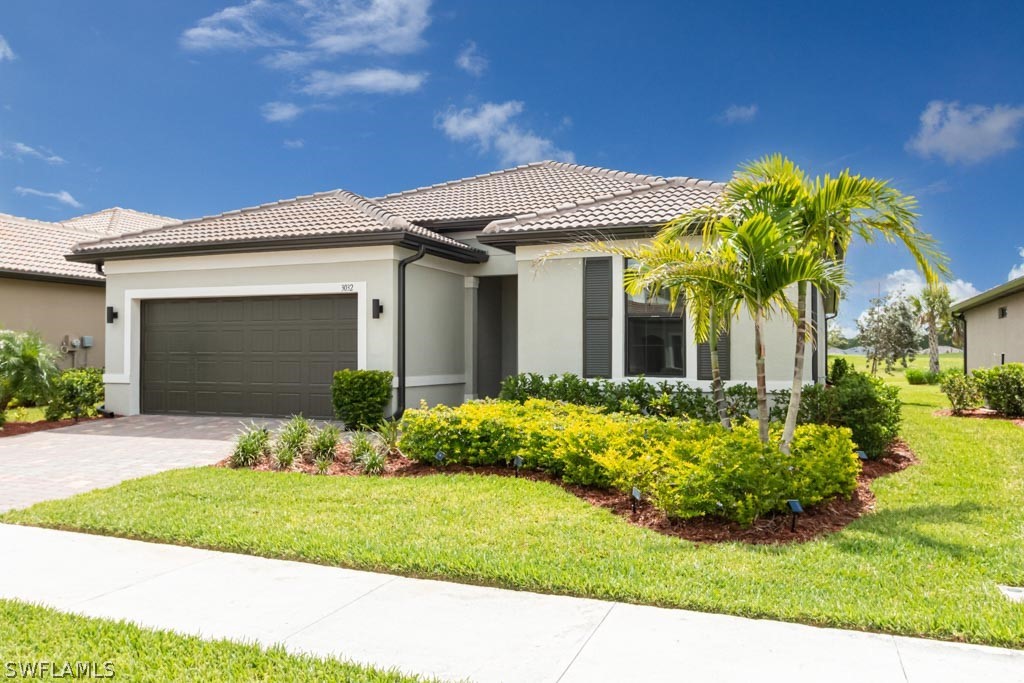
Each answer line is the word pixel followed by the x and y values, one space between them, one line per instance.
pixel 261 356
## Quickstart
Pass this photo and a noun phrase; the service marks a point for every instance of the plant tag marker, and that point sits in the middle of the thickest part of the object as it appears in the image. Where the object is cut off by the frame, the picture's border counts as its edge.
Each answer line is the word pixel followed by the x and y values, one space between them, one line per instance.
pixel 636 494
pixel 518 461
pixel 634 499
pixel 862 455
pixel 439 457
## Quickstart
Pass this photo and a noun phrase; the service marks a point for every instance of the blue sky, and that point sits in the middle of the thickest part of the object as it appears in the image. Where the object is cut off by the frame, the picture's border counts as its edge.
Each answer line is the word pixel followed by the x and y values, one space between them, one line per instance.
pixel 192 108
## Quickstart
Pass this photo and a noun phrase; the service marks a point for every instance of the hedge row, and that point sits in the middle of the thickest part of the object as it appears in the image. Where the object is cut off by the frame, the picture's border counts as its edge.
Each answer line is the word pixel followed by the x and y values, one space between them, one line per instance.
pixel 685 468
pixel 1001 388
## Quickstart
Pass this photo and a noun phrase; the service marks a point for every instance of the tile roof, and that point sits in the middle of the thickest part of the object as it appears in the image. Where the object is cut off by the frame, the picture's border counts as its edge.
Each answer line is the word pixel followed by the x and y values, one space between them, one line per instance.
pixel 117 221
pixel 651 204
pixel 509 192
pixel 332 213
pixel 37 248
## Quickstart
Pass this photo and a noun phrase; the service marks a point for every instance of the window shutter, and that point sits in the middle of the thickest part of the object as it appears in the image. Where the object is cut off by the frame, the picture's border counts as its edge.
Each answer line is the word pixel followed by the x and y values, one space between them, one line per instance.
pixel 704 358
pixel 597 317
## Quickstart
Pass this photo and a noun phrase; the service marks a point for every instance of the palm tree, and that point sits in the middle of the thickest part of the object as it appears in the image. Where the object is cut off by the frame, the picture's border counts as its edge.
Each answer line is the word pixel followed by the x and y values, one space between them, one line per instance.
pixel 826 214
pixel 932 308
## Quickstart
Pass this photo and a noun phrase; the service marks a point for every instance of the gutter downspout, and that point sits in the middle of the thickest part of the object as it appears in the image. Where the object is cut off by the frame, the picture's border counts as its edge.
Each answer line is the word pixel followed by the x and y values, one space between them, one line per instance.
pixel 400 409
pixel 963 319
pixel 99 268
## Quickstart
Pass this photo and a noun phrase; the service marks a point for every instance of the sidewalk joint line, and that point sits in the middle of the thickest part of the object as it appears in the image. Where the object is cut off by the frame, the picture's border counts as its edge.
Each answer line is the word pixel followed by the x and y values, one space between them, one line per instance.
pixel 899 657
pixel 338 609
pixel 584 645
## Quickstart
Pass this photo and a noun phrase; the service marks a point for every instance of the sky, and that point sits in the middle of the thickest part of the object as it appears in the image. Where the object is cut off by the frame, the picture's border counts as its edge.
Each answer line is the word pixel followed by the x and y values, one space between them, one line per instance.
pixel 191 108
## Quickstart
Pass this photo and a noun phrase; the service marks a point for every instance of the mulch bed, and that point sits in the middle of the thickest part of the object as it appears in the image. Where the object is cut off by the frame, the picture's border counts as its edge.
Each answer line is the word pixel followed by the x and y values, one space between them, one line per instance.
pixel 816 521
pixel 980 413
pixel 16 428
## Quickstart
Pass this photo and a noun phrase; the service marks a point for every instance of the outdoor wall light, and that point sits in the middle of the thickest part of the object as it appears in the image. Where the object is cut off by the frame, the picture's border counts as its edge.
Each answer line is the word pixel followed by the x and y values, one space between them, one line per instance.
pixel 377 308
pixel 795 508
pixel 111 314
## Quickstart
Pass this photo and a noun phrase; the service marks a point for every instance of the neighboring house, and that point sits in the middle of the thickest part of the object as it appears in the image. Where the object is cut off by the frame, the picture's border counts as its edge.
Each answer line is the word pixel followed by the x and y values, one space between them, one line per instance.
pixel 249 312
pixel 993 326
pixel 42 291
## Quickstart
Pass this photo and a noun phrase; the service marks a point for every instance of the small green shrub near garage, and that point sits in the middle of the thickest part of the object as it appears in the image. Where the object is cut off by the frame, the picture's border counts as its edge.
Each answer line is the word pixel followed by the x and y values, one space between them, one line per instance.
pixel 962 392
pixel 686 468
pixel 361 396
pixel 75 393
pixel 1002 387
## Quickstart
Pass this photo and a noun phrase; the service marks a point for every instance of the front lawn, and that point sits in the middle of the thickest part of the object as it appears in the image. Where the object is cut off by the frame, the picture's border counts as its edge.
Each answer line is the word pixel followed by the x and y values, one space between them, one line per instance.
pixel 30 635
pixel 946 532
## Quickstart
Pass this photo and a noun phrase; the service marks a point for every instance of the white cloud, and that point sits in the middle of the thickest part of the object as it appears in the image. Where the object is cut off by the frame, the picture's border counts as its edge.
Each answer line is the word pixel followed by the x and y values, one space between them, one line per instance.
pixel 20 149
pixel 911 282
pixel 297 143
pixel 491 126
pixel 290 60
pixel 63 196
pixel 239 27
pixel 738 113
pixel 470 60
pixel 6 53
pixel 280 111
pixel 1018 270
pixel 333 84
pixel 966 134
pixel 327 26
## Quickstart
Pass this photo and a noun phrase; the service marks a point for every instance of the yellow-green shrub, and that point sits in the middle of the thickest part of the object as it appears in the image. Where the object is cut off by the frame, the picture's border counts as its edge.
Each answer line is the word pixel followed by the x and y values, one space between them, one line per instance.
pixel 686 468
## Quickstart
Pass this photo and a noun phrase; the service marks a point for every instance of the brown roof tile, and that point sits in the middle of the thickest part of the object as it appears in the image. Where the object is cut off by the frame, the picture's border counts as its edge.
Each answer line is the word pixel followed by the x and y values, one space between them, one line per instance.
pixel 37 248
pixel 117 221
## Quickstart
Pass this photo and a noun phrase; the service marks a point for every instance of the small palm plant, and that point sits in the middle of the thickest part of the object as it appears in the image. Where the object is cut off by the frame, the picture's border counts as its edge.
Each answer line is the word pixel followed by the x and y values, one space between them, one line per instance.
pixel 28 367
pixel 367 454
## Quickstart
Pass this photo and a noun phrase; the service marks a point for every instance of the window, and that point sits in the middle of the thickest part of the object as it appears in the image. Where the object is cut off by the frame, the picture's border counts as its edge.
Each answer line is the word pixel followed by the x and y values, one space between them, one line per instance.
pixel 655 337
pixel 1002 312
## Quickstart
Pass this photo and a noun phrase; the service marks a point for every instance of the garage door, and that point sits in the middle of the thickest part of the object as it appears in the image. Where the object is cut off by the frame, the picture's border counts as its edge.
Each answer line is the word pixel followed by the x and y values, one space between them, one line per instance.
pixel 260 356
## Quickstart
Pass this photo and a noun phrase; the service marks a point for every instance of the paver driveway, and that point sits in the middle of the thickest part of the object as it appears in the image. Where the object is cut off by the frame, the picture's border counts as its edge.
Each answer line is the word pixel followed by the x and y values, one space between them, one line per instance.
pixel 62 462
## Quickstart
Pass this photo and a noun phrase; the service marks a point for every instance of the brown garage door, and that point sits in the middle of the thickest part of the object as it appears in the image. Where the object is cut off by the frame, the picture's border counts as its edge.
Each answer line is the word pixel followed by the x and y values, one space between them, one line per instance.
pixel 260 356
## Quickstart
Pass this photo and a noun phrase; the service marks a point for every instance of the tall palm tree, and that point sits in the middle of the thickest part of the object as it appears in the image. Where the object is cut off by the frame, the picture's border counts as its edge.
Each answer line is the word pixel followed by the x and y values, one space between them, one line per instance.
pixel 826 214
pixel 932 307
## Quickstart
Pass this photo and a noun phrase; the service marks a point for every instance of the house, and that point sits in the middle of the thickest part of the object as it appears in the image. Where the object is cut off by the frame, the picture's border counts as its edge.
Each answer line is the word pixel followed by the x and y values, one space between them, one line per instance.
pixel 43 292
pixel 249 312
pixel 993 326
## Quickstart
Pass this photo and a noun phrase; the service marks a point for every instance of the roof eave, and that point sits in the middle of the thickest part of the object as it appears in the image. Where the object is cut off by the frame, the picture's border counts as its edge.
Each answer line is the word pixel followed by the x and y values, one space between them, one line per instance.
pixel 50 277
pixel 394 237
pixel 511 238
pixel 1005 289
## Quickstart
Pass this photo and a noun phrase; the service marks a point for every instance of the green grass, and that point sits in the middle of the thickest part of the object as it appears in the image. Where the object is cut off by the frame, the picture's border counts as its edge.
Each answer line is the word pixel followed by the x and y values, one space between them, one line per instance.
pixel 30 634
pixel 927 562
pixel 920 362
pixel 33 414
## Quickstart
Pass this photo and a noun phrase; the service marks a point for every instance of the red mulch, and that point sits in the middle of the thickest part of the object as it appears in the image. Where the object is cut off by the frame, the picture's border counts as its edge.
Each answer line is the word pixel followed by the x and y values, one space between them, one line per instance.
pixel 16 428
pixel 980 413
pixel 815 521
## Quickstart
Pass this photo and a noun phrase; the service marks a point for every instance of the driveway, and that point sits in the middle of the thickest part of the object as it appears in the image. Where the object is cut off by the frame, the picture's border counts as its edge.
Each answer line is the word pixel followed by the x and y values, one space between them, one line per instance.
pixel 63 462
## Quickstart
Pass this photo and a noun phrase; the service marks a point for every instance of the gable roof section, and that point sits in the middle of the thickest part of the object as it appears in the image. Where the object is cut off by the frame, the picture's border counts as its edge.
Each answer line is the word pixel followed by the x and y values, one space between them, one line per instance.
pixel 36 249
pixel 334 218
pixel 117 221
pixel 476 201
pixel 632 212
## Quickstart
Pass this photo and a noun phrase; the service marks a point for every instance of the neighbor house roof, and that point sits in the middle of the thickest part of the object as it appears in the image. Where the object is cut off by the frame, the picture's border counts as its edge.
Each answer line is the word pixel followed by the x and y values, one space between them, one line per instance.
pixel 334 218
pixel 476 201
pixel 643 207
pixel 36 249
pixel 117 221
pixel 989 295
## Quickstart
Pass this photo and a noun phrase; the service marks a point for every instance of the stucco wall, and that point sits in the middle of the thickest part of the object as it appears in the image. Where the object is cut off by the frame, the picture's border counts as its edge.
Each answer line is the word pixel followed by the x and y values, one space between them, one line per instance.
pixel 989 337
pixel 435 332
pixel 54 310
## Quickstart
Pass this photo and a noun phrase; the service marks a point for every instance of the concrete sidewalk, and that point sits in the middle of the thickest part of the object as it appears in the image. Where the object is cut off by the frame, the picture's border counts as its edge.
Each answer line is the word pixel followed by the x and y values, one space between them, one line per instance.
pixel 456 631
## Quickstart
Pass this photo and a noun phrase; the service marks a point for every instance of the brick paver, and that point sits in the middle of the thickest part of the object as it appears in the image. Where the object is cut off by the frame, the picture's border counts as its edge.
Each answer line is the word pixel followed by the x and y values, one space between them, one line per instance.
pixel 63 462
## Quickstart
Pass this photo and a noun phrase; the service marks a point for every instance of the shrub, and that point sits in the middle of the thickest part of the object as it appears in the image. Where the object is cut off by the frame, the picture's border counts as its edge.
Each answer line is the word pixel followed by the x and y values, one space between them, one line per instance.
pixel 915 376
pixel 284 457
pixel 962 392
pixel 1002 387
pixel 741 401
pixel 294 437
pixel 360 396
pixel 76 392
pixel 388 433
pixel 323 443
pixel 840 366
pixel 323 464
pixel 252 444
pixel 870 408
pixel 3 417
pixel 28 367
pixel 688 468
pixel 370 458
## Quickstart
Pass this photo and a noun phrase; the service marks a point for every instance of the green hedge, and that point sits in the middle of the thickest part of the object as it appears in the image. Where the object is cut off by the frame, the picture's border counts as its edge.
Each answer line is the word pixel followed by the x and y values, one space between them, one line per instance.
pixel 75 393
pixel 866 405
pixel 686 468
pixel 360 396
pixel 1002 387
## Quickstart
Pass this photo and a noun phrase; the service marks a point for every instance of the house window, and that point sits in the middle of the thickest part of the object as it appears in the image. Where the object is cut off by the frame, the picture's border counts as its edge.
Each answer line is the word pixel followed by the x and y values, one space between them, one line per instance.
pixel 1002 312
pixel 655 337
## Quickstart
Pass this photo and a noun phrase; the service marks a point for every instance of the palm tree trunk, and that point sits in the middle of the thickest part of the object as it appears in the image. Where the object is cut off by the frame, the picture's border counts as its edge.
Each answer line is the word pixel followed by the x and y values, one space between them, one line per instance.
pixel 798 368
pixel 933 345
pixel 717 390
pixel 762 388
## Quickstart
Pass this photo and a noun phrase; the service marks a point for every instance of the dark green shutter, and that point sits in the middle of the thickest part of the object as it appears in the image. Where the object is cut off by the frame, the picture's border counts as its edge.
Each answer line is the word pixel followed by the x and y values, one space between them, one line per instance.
pixel 704 358
pixel 597 317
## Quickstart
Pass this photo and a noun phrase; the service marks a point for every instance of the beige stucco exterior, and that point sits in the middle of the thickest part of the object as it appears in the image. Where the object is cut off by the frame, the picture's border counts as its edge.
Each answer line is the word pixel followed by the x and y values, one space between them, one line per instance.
pixel 992 340
pixel 57 310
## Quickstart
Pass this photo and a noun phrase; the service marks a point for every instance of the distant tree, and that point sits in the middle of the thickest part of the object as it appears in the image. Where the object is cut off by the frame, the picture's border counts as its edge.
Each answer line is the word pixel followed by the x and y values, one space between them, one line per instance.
pixel 932 308
pixel 889 332
pixel 837 340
